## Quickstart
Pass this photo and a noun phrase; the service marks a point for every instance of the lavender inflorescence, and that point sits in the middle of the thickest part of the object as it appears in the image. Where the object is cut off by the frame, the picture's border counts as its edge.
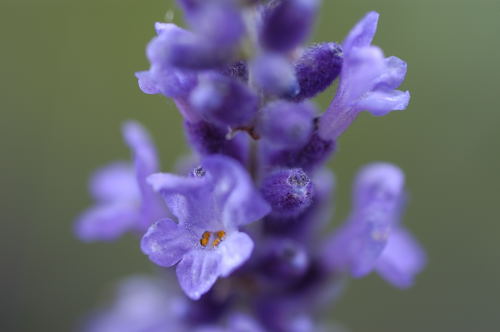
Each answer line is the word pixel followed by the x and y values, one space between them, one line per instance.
pixel 244 227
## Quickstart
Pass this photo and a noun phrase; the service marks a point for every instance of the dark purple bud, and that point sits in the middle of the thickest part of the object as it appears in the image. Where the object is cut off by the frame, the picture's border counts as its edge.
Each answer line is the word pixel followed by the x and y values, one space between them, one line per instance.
pixel 317 68
pixel 284 259
pixel 285 124
pixel 314 153
pixel 288 191
pixel 275 75
pixel 207 138
pixel 287 24
pixel 224 101
pixel 304 227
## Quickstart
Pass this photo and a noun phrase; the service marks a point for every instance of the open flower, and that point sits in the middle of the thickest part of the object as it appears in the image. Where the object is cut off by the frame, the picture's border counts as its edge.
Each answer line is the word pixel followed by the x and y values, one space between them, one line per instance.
pixel 210 205
pixel 124 201
pixel 368 81
pixel 373 238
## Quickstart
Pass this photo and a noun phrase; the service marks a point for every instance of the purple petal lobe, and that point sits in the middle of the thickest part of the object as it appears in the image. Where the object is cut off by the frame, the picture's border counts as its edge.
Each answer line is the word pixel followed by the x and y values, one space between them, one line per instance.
pixel 187 198
pixel 235 249
pixel 363 32
pixel 234 193
pixel 198 271
pixel 394 73
pixel 146 163
pixel 166 243
pixel 147 83
pixel 381 102
pixel 402 259
pixel 115 182
pixel 106 222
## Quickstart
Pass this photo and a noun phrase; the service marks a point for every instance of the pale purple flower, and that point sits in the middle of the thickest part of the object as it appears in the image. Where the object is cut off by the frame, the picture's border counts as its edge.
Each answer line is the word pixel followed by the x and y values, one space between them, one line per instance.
pixel 142 304
pixel 124 201
pixel 402 259
pixel 368 81
pixel 210 206
pixel 372 237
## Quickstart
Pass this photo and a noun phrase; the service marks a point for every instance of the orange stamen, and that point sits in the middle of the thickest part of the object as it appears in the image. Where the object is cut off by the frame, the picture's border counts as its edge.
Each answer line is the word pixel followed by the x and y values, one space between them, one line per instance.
pixel 204 239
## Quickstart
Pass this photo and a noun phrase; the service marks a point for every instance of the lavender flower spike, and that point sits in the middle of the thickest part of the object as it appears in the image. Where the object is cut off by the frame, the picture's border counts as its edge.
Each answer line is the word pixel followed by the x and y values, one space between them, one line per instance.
pixel 210 206
pixel 124 202
pixel 368 81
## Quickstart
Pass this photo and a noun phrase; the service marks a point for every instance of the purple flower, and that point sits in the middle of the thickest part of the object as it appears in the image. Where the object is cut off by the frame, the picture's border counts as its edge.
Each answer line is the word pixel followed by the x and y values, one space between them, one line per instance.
pixel 210 206
pixel 162 77
pixel 368 81
pixel 142 304
pixel 402 259
pixel 124 201
pixel 372 237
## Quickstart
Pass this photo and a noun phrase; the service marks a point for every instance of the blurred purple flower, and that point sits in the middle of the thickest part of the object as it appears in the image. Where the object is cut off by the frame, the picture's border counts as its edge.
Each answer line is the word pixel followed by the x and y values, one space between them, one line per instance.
pixel 142 304
pixel 372 237
pixel 124 201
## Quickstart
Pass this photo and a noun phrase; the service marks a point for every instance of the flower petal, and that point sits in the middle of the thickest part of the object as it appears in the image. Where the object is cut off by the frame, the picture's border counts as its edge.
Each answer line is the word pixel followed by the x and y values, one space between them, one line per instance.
pixel 146 163
pixel 381 102
pixel 106 222
pixel 379 181
pixel 401 260
pixel 356 247
pixel 360 73
pixel 363 32
pixel 115 182
pixel 235 249
pixel 146 82
pixel 394 74
pixel 198 271
pixel 233 191
pixel 166 243
pixel 188 198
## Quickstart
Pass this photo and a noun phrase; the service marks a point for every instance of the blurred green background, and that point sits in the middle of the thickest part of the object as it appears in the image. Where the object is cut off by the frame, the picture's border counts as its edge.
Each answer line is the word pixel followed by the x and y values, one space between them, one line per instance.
pixel 67 84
